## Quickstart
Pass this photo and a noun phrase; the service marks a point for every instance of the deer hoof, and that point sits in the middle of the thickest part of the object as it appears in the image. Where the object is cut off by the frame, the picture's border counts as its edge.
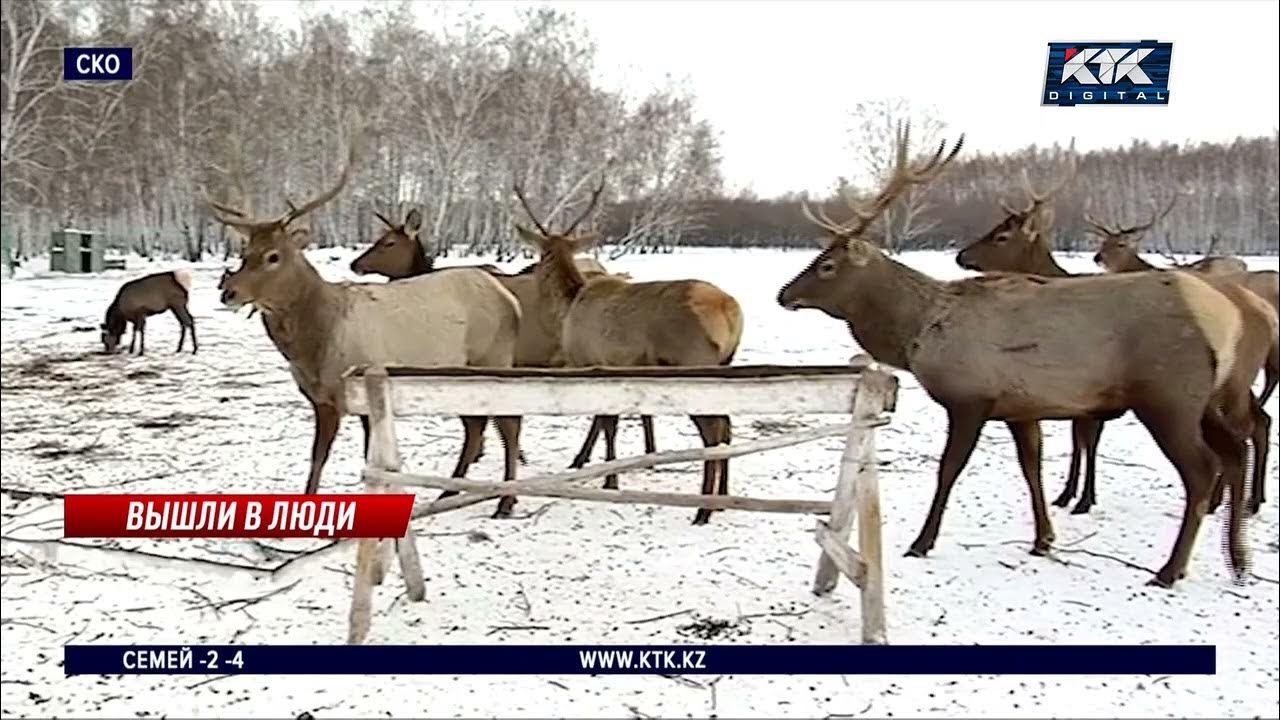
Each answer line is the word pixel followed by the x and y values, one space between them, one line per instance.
pixel 1160 582
pixel 504 509
pixel 1062 500
pixel 1040 549
pixel 611 483
pixel 701 518
pixel 914 551
pixel 1255 506
pixel 1082 508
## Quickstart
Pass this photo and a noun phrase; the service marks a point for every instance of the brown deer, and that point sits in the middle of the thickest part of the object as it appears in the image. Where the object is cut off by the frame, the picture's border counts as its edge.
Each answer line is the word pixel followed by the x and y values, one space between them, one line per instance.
pixel 1021 243
pixel 1118 254
pixel 609 321
pixel 398 253
pixel 1024 348
pixel 148 295
pixel 1119 249
pixel 451 317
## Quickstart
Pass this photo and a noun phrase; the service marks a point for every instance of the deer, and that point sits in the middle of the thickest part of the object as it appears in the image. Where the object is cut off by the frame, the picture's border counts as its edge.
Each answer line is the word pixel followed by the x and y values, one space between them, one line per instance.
pixel 1022 348
pixel 398 253
pixel 1118 253
pixel 148 295
pixel 610 321
pixel 455 317
pixel 1119 249
pixel 1020 243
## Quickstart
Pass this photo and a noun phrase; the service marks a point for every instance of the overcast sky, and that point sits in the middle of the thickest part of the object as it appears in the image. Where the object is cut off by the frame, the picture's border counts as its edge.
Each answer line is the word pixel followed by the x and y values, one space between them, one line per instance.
pixel 777 79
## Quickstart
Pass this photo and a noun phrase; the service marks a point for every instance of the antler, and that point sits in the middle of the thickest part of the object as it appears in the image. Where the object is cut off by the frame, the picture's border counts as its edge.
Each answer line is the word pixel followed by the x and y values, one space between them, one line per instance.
pixel 228 215
pixel 384 219
pixel 591 205
pixel 324 197
pixel 903 177
pixel 1096 227
pixel 515 185
pixel 1156 217
pixel 823 222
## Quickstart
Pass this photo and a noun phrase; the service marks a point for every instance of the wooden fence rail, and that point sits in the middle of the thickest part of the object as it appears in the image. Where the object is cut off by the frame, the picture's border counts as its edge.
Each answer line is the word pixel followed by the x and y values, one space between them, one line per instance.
pixel 861 389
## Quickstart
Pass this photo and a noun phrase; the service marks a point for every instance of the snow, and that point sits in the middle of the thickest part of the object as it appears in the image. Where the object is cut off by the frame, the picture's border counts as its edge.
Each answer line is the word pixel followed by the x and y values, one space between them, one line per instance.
pixel 229 419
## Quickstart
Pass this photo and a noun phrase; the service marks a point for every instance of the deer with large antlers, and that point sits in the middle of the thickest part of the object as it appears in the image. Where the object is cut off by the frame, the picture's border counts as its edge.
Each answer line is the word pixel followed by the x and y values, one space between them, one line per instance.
pixel 604 320
pixel 451 317
pixel 1021 243
pixel 1118 251
pixel 1024 348
pixel 398 254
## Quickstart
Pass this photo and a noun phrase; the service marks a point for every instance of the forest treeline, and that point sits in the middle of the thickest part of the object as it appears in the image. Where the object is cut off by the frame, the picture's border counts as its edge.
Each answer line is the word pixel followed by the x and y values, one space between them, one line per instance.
pixel 225 105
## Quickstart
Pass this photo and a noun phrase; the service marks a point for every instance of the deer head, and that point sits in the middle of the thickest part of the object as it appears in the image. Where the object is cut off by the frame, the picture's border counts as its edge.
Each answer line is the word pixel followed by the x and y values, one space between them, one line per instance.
pixel 397 253
pixel 1011 244
pixel 564 244
pixel 1120 244
pixel 272 263
pixel 849 257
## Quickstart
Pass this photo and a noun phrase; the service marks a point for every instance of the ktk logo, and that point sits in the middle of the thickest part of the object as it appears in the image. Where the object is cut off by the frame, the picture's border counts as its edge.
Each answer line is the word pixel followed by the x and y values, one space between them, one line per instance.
pixel 1114 64
pixel 1107 73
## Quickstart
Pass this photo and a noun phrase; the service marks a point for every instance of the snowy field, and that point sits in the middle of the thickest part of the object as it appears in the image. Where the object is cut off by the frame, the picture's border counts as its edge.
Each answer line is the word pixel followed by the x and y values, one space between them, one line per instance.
pixel 229 419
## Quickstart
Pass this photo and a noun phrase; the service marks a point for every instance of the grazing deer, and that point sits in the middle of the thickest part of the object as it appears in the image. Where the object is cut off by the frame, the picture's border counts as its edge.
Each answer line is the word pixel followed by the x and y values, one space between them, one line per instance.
pixel 1119 249
pixel 398 254
pixel 608 321
pixel 1024 348
pixel 148 295
pixel 451 317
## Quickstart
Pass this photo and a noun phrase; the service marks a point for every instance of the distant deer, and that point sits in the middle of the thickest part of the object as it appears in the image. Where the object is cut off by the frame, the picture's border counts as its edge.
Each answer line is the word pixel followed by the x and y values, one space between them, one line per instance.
pixel 149 295
pixel 608 321
pixel 451 317
pixel 1023 348
pixel 1119 249
pixel 398 254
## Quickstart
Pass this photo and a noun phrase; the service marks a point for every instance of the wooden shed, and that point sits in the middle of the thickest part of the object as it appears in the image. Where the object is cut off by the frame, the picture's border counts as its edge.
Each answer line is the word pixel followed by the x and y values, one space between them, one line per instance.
pixel 76 251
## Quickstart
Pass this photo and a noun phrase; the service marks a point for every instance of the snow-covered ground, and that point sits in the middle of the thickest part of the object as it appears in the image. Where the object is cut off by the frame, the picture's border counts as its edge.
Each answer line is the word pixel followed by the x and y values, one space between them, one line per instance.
pixel 229 419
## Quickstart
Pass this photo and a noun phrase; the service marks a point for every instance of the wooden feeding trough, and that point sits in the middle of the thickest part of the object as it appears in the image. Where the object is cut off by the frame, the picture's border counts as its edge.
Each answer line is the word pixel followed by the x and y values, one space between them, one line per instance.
pixel 861 389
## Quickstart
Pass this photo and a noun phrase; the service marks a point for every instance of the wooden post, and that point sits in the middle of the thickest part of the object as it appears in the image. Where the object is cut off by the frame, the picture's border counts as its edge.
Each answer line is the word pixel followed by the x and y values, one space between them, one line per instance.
pixel 371 552
pixel 857 491
pixel 384 454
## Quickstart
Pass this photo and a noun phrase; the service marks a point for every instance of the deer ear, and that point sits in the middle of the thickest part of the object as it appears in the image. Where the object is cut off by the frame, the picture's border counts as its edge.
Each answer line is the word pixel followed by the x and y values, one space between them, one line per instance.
pixel 413 221
pixel 533 238
pixel 583 241
pixel 300 237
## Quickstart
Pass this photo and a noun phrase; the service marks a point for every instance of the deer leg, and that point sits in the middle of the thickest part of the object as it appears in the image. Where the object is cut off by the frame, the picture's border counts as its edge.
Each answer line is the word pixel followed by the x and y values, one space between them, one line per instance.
pixel 188 324
pixel 327 418
pixel 584 453
pixel 509 430
pixel 709 429
pixel 1073 471
pixel 964 425
pixel 473 434
pixel 1271 375
pixel 1027 440
pixel 142 336
pixel 609 424
pixel 1182 440
pixel 1261 433
pixel 1089 432
pixel 133 338
pixel 1228 437
pixel 364 425
pixel 650 443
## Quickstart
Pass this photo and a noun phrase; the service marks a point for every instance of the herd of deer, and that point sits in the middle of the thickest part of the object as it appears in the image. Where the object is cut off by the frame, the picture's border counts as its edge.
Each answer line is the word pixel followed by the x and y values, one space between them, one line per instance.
pixel 1025 341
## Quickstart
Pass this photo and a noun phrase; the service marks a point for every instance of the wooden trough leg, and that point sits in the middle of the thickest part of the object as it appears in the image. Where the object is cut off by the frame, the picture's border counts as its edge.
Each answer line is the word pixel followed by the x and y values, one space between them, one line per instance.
pixel 372 554
pixel 857 490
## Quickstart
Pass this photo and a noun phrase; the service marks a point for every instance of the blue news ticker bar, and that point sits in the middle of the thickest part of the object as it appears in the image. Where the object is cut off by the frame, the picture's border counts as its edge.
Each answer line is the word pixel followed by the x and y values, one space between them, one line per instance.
pixel 641 659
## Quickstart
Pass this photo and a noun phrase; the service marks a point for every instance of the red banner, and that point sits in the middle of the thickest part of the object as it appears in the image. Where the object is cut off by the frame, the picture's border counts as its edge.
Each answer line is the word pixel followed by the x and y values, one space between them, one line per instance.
pixel 270 516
